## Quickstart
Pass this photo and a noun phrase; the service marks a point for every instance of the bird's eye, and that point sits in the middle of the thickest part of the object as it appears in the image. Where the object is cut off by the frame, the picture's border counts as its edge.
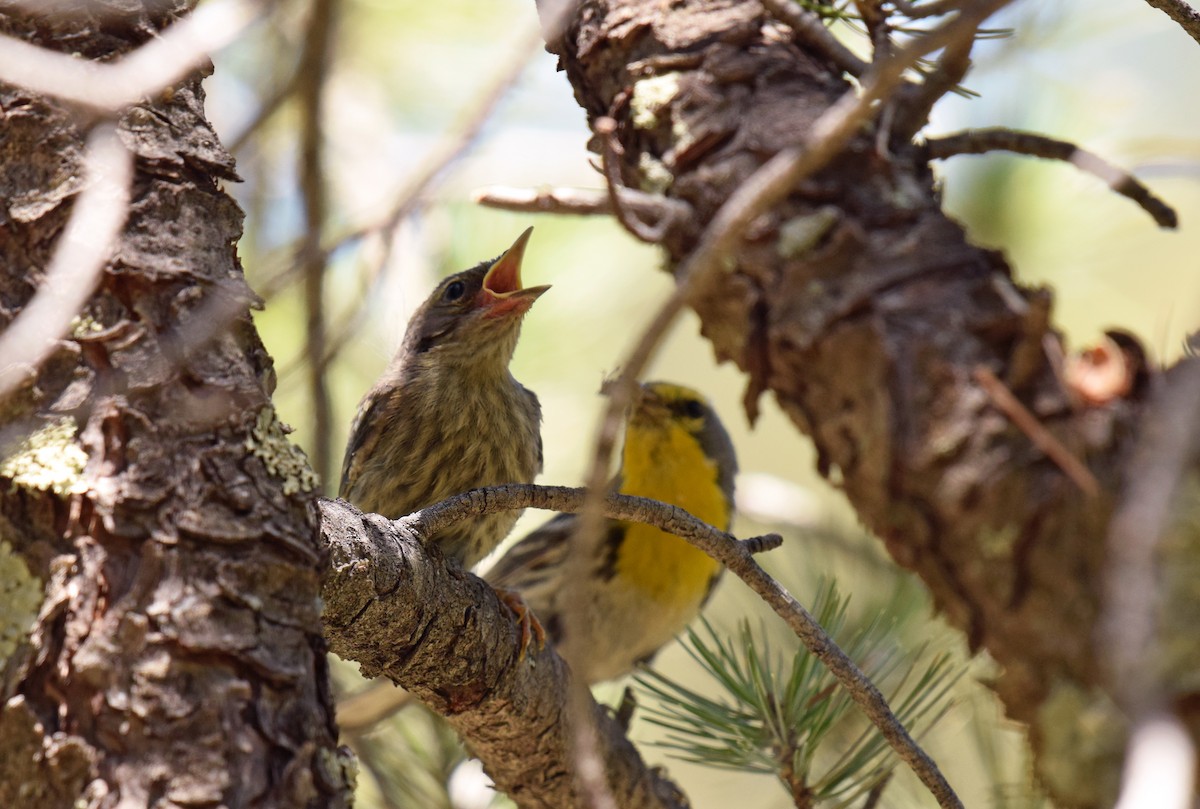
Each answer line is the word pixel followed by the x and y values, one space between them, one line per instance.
pixel 454 291
pixel 693 409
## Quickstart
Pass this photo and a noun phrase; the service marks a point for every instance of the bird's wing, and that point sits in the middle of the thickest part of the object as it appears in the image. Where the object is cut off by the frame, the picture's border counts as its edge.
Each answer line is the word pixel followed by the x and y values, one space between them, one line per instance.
pixel 362 440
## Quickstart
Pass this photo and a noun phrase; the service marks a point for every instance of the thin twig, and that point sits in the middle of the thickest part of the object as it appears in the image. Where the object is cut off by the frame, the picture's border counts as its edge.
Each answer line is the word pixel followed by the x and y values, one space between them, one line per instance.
pixel 810 31
pixel 981 141
pixel 106 87
pixel 266 111
pixel 946 75
pixel 569 500
pixel 1182 13
pixel 606 128
pixel 875 18
pixel 83 249
pixel 1043 439
pixel 935 8
pixel 728 551
pixel 578 201
pixel 313 62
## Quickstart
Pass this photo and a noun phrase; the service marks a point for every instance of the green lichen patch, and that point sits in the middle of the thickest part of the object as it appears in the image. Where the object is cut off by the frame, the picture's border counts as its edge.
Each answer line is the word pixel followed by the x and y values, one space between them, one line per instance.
pixel 650 97
pixel 656 177
pixel 84 325
pixel 48 460
pixel 283 459
pixel 802 233
pixel 20 599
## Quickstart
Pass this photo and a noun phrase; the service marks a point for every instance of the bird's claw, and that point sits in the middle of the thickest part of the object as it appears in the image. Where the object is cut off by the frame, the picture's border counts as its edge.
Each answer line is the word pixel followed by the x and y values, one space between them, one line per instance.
pixel 531 627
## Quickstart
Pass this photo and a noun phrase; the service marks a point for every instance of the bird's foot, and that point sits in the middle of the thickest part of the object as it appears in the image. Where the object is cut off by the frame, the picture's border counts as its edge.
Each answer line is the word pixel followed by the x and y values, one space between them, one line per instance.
pixel 531 627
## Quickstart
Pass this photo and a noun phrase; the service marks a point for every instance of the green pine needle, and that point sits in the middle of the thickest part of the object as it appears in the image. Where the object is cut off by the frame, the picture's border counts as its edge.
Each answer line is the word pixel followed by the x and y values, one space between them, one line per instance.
pixel 790 717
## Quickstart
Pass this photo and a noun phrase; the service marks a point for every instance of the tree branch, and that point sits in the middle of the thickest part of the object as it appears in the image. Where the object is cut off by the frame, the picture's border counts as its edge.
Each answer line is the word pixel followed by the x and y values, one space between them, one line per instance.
pixel 1182 13
pixel 734 555
pixel 105 87
pixel 400 612
pixel 313 260
pixel 982 141
pixel 866 311
pixel 810 31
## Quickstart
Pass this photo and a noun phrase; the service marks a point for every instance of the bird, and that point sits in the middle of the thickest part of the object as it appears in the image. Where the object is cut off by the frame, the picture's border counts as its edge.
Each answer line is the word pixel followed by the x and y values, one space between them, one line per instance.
pixel 447 416
pixel 639 587
pixel 636 587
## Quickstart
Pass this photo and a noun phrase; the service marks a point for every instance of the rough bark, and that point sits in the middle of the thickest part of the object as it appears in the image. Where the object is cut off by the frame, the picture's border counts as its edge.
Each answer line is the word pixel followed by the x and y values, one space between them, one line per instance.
pixel 867 312
pixel 401 612
pixel 177 658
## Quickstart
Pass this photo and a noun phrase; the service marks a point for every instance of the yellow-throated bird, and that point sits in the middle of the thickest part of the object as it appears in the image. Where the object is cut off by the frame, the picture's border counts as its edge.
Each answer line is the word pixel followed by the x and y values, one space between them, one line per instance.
pixel 447 416
pixel 639 587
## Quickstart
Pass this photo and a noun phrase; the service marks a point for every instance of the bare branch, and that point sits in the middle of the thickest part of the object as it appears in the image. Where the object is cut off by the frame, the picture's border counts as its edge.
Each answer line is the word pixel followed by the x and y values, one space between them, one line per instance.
pixel 266 111
pixel 311 84
pixel 83 250
pixel 106 87
pixel 982 141
pixel 669 209
pixel 934 8
pixel 1182 13
pixel 810 31
pixel 736 556
pixel 578 201
pixel 951 68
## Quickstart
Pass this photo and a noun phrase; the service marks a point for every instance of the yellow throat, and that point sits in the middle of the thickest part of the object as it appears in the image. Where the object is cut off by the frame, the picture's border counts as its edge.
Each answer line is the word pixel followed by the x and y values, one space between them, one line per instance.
pixel 663 461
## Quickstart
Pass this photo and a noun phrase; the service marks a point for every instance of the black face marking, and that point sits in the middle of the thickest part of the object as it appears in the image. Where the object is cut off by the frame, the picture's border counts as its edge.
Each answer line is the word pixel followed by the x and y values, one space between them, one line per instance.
pixel 692 409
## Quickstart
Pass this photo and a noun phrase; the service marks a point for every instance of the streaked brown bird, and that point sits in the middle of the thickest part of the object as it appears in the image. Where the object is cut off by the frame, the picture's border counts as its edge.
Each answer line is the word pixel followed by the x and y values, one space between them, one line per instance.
pixel 447 415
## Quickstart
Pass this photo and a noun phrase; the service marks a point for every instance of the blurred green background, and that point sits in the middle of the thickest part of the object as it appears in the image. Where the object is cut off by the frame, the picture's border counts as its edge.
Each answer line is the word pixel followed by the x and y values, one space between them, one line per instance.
pixel 1115 77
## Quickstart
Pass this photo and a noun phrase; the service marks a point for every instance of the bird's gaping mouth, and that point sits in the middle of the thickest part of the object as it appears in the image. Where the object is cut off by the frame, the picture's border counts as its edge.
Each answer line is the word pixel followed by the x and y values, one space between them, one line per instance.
pixel 502 292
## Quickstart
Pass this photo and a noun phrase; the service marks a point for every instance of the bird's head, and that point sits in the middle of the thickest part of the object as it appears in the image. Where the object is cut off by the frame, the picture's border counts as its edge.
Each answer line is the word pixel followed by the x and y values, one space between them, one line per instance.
pixel 669 417
pixel 474 316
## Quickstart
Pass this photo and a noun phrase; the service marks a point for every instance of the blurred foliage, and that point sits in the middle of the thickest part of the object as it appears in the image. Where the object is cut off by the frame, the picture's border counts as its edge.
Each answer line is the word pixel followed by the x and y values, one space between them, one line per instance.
pixel 405 74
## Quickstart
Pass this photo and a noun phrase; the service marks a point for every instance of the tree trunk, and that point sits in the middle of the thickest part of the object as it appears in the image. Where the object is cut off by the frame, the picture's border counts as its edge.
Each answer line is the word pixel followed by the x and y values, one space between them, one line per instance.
pixel 871 331
pixel 166 522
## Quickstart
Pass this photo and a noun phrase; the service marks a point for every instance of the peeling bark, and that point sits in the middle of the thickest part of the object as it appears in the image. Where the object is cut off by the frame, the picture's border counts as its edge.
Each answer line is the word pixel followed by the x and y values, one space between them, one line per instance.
pixel 177 658
pixel 866 311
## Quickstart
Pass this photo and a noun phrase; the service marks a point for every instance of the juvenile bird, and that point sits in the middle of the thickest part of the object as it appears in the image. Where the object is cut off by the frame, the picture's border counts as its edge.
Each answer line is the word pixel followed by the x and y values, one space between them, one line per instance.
pixel 639 587
pixel 447 416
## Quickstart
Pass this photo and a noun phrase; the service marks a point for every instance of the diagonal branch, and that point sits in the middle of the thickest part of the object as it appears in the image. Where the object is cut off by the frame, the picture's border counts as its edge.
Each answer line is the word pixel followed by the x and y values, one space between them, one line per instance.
pixel 982 141
pixel 1182 13
pixel 108 87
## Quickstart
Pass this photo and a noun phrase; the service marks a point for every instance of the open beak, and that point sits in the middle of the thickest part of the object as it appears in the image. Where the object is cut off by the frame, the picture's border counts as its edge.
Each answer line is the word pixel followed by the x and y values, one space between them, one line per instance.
pixel 502 293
